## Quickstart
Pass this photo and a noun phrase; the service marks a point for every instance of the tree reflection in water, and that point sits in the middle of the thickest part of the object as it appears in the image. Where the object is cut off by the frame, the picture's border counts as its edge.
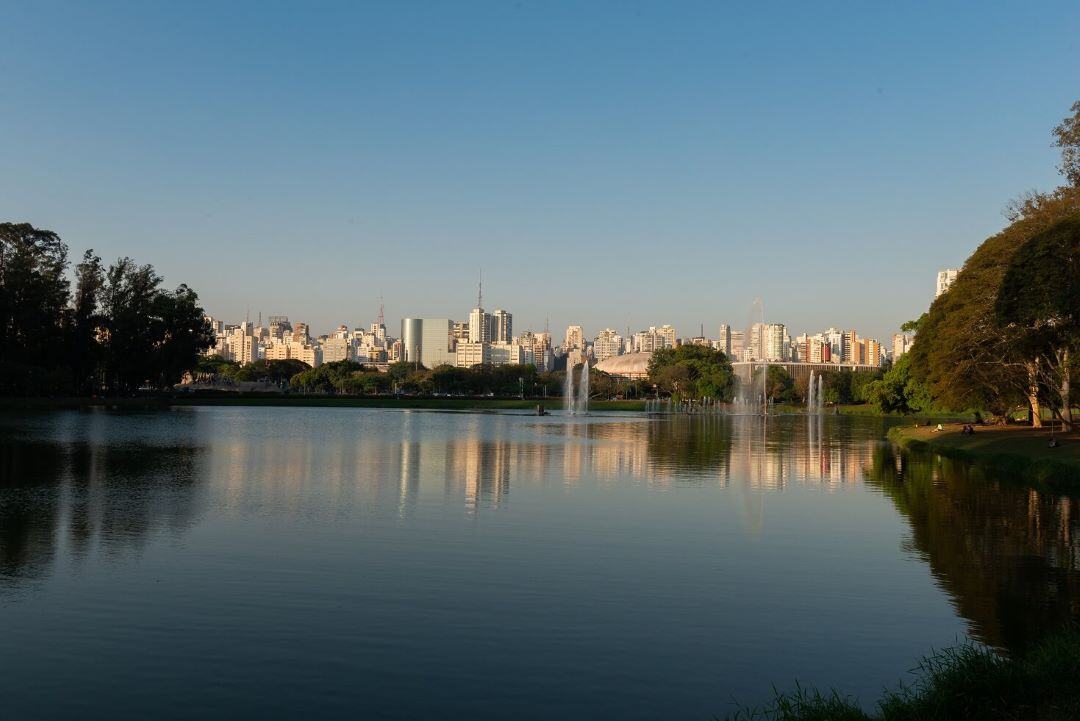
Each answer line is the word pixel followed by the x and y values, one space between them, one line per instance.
pixel 1007 555
pixel 88 495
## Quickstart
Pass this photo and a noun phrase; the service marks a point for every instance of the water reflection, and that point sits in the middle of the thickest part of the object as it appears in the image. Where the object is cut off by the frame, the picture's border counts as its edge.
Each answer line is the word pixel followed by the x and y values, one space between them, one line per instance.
pixel 74 485
pixel 1009 556
pixel 77 497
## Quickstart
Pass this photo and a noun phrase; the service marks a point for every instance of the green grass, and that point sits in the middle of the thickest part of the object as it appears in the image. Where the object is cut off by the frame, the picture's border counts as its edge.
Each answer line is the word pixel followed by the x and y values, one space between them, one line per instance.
pixel 957 684
pixel 1009 452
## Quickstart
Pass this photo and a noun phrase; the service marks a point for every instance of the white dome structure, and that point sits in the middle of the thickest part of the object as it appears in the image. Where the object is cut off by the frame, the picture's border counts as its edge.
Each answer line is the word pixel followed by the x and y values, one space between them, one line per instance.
pixel 632 365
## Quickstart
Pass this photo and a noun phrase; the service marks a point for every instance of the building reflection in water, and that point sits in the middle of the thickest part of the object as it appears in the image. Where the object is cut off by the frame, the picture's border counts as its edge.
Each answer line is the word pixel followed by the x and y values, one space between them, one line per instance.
pixel 92 483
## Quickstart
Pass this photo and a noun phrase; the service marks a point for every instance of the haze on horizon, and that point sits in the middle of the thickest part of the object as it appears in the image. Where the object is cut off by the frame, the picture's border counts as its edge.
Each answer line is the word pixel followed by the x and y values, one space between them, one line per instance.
pixel 608 165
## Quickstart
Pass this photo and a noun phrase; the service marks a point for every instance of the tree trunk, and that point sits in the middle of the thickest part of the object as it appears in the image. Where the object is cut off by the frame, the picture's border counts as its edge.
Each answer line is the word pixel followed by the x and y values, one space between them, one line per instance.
pixel 1033 395
pixel 1066 390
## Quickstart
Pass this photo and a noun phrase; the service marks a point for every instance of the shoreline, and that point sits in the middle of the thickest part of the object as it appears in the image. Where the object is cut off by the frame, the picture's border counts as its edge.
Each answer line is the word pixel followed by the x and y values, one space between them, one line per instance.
pixel 1018 451
pixel 150 402
pixel 309 401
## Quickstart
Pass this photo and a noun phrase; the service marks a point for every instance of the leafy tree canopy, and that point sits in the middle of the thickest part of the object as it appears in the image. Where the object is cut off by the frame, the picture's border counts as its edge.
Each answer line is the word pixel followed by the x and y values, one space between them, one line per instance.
pixel 694 371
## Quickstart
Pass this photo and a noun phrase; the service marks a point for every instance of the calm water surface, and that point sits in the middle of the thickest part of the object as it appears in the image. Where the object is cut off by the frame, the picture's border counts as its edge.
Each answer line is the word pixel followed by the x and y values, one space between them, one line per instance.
pixel 314 563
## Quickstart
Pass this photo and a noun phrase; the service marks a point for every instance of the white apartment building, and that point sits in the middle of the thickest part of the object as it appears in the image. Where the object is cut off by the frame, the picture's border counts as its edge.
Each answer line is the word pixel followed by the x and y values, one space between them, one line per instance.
pixel 479 326
pixel 575 338
pixel 337 348
pixel 654 338
pixel 945 278
pixel 468 355
pixel 608 343
pixel 901 344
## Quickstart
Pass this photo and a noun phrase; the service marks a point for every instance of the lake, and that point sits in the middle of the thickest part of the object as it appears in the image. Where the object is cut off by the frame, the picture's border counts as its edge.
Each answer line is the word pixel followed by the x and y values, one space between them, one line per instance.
pixel 327 562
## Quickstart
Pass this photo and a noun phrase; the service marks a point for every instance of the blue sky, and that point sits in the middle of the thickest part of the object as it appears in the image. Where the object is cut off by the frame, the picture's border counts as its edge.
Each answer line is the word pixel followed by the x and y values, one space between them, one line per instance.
pixel 608 164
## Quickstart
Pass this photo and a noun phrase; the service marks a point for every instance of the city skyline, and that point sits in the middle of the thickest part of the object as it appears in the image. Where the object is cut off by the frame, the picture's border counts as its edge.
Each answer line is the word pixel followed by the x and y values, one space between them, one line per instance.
pixel 605 166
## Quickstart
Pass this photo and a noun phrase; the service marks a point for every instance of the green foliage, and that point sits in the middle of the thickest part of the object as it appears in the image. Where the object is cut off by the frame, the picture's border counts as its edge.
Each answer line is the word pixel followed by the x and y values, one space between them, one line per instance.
pixel 692 371
pixel 779 385
pixel 957 684
pixel 861 380
pixel 965 356
pixel 275 371
pixel 216 366
pixel 348 378
pixel 912 326
pixel 337 377
pixel 33 307
pixel 897 391
pixel 1003 332
pixel 1067 137
pixel 119 330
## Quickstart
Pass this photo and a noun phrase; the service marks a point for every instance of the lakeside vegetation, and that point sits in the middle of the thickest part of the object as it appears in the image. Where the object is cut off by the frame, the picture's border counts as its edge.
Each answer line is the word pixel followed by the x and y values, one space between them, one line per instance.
pixel 1021 452
pixel 1006 334
pixel 966 682
pixel 117 331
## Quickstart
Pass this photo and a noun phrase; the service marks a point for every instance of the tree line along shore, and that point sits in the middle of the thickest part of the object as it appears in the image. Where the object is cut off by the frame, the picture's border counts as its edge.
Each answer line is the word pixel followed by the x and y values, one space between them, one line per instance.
pixel 1004 337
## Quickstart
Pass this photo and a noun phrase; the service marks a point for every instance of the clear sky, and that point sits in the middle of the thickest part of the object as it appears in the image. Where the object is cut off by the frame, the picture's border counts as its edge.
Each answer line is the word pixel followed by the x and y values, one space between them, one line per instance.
pixel 607 164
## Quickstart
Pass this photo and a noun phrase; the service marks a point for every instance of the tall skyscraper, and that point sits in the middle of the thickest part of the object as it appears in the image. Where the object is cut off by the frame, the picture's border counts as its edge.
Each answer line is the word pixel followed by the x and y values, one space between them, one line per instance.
pixel 479 326
pixel 502 326
pixel 849 346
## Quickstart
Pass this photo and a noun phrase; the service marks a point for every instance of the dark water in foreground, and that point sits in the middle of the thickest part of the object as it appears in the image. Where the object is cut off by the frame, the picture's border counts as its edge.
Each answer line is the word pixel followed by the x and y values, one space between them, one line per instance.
pixel 316 562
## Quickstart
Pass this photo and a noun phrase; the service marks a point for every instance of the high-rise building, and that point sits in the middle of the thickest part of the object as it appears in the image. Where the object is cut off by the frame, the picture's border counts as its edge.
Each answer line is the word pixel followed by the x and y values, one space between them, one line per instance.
pixel 945 278
pixel 849 341
pixel 336 349
pixel 667 332
pixel 279 325
pixel 460 331
pixel 575 338
pixel 502 327
pixel 873 352
pixel 608 343
pixel 725 339
pixel 901 344
pixel 436 342
pixel 773 342
pixel 468 354
pixel 738 345
pixel 411 337
pixel 507 354
pixel 479 326
pixel 835 340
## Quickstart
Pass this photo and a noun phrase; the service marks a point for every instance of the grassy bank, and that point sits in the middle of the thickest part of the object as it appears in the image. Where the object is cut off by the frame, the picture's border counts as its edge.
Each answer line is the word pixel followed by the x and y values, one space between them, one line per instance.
pixel 1019 451
pixel 959 684
pixel 294 400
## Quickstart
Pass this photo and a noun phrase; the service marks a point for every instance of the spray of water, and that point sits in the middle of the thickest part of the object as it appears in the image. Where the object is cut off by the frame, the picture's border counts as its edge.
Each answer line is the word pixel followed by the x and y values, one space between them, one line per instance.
pixel 581 406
